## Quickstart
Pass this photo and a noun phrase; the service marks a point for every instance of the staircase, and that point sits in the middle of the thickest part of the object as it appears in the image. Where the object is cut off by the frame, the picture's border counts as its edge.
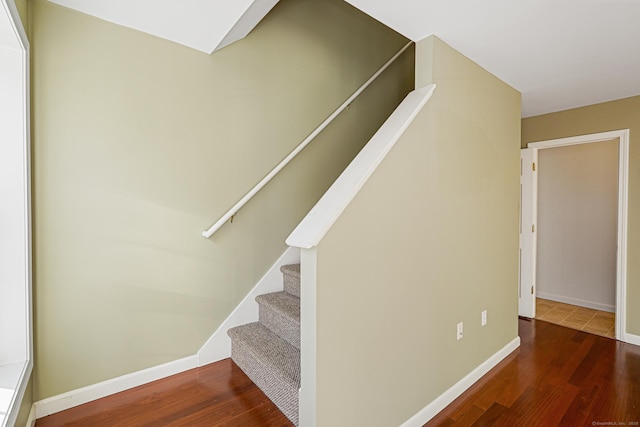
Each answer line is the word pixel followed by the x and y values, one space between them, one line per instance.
pixel 268 351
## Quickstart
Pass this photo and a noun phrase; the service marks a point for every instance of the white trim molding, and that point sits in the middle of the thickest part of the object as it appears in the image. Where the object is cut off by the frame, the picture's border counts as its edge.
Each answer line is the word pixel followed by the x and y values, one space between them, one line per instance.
pixel 631 339
pixel 329 208
pixel 622 136
pixel 31 420
pixel 218 346
pixel 441 402
pixel 307 395
pixel 16 340
pixel 102 389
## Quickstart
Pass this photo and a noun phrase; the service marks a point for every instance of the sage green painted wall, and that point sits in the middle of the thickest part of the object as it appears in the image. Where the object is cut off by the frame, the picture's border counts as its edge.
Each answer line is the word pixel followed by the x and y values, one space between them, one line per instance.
pixel 23 10
pixel 431 240
pixel 140 144
pixel 25 405
pixel 614 115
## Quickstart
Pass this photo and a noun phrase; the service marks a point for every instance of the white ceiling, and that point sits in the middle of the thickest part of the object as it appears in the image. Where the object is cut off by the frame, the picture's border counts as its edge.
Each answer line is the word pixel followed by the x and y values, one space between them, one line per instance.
pixel 205 25
pixel 9 37
pixel 559 53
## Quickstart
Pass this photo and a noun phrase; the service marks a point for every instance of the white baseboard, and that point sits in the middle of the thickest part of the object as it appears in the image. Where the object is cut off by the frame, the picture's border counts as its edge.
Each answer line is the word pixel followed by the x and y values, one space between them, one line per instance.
pixel 631 339
pixel 83 395
pixel 31 420
pixel 441 402
pixel 218 346
pixel 577 301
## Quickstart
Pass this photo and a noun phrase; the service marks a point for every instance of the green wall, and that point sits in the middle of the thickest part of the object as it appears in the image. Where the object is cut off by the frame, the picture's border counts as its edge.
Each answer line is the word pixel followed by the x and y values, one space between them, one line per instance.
pixel 429 241
pixel 25 405
pixel 140 144
pixel 615 115
pixel 23 10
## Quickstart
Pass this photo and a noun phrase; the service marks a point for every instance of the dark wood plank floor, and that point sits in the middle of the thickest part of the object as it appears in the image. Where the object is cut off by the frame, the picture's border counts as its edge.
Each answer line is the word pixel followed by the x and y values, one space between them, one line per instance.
pixel 219 394
pixel 558 377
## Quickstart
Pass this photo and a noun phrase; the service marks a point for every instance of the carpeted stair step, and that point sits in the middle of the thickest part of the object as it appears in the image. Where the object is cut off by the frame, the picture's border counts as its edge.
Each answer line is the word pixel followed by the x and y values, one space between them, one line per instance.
pixel 272 364
pixel 280 312
pixel 291 277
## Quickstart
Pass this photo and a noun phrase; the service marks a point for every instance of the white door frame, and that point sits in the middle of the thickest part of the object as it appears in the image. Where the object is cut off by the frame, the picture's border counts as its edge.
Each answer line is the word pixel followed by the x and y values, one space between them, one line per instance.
pixel 623 189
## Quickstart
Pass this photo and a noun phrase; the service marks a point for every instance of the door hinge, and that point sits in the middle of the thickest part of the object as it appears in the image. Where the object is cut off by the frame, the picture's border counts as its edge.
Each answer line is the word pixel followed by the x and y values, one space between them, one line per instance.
pixel 532 290
pixel 533 228
pixel 533 166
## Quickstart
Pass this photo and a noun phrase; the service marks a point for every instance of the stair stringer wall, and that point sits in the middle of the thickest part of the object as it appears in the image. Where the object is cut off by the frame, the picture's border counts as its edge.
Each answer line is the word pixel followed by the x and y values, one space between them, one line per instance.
pixel 309 233
pixel 218 346
pixel 431 239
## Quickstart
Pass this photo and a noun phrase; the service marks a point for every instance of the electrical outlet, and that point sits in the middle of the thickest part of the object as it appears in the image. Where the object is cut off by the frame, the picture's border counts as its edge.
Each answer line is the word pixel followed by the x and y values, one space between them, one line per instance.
pixel 484 318
pixel 459 332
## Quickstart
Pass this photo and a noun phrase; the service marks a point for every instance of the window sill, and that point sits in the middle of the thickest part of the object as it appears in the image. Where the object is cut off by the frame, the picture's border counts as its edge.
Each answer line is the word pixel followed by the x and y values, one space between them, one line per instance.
pixel 13 382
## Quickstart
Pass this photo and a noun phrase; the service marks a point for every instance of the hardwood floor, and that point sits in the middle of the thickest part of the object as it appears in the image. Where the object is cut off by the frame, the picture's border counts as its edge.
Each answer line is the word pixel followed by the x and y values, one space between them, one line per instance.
pixel 558 377
pixel 219 394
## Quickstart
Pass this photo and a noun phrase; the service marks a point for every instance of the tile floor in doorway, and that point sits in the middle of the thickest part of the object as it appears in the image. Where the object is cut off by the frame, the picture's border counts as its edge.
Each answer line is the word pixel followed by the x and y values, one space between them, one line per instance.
pixel 596 322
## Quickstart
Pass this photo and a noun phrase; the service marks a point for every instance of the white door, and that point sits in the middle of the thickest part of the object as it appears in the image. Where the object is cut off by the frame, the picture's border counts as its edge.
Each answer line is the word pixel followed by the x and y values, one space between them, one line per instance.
pixel 528 195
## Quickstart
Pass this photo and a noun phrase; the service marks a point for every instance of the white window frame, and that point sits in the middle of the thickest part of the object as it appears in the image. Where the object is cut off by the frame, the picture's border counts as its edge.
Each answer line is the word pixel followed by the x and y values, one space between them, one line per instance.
pixel 16 329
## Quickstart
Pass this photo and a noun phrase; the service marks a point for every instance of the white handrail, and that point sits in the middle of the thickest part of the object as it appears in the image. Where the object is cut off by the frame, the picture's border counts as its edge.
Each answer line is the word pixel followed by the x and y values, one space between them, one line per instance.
pixel 231 212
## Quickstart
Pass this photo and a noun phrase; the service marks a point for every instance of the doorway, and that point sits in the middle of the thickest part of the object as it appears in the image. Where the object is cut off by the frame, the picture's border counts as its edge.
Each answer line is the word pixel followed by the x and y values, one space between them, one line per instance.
pixel 533 243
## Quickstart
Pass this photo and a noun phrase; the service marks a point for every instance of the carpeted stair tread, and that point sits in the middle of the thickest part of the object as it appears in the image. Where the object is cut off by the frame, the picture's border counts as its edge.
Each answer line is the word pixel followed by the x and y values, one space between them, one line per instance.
pixel 291 279
pixel 276 352
pixel 283 303
pixel 272 364
pixel 280 312
pixel 293 269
